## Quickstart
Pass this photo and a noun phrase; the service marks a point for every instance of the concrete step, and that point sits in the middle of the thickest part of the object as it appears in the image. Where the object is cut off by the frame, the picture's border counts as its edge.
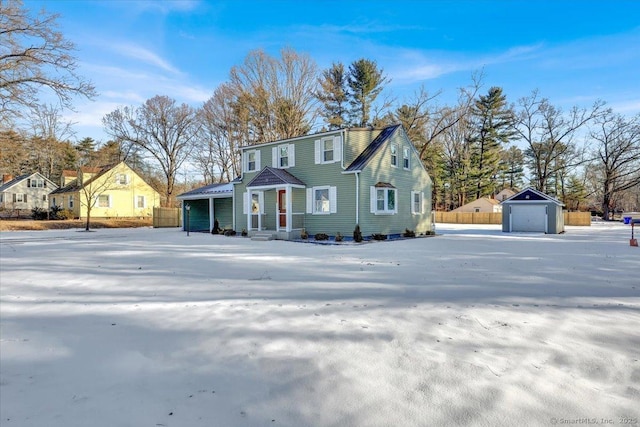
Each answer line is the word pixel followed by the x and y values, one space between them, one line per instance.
pixel 262 237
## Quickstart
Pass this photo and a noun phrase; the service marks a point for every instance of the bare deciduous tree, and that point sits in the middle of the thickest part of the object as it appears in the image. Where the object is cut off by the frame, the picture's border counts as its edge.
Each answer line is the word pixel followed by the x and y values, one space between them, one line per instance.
pixel 35 55
pixel 278 94
pixel 163 129
pixel 550 136
pixel 217 154
pixel 617 157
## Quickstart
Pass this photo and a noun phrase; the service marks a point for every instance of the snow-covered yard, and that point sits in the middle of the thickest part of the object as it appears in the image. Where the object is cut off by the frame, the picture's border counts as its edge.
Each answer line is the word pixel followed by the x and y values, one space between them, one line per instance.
pixel 149 327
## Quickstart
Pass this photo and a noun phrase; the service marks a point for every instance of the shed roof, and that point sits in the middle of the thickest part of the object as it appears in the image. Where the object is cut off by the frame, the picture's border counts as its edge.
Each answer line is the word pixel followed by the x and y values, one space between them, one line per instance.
pixel 532 195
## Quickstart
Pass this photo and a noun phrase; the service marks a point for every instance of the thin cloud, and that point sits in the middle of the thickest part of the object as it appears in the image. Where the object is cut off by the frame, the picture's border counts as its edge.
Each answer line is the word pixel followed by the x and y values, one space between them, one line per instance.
pixel 426 65
pixel 144 55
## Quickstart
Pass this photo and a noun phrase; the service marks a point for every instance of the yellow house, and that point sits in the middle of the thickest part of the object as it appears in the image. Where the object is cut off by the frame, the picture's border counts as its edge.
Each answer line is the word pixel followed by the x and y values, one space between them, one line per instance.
pixel 115 191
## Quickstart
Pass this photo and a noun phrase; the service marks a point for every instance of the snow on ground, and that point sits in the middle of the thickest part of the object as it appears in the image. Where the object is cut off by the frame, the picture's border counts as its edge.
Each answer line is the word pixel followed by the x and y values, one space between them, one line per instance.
pixel 149 327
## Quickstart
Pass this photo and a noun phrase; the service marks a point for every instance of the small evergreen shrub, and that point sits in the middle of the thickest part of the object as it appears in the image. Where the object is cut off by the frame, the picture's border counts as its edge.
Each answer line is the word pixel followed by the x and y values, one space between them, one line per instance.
pixel 339 237
pixel 379 236
pixel 304 235
pixel 54 212
pixel 357 234
pixel 408 233
pixel 321 236
pixel 38 214
pixel 229 233
pixel 216 227
pixel 243 233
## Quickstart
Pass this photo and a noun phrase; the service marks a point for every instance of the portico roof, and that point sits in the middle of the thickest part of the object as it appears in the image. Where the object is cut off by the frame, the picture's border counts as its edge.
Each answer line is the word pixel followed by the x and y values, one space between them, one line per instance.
pixel 272 177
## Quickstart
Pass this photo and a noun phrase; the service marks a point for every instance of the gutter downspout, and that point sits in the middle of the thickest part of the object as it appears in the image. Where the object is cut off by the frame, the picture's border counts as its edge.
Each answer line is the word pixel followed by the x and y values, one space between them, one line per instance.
pixel 357 174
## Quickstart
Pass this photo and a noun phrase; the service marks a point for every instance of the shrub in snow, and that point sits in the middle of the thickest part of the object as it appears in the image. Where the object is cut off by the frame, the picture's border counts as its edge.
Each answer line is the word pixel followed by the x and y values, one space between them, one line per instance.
pixel 408 233
pixel 339 237
pixel 357 234
pixel 379 236
pixel 304 234
pixel 321 236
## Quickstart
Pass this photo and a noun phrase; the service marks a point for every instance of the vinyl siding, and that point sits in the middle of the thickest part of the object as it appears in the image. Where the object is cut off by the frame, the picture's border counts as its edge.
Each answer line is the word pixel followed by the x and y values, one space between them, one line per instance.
pixel 222 209
pixel 405 181
pixel 331 174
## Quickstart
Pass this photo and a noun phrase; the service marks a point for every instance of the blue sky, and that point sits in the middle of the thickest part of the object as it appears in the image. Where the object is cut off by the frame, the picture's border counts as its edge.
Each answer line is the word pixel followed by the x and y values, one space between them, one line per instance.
pixel 573 52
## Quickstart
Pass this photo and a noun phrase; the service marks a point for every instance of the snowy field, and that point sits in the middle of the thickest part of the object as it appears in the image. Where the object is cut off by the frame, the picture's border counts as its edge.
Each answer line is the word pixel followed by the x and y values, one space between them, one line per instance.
pixel 149 327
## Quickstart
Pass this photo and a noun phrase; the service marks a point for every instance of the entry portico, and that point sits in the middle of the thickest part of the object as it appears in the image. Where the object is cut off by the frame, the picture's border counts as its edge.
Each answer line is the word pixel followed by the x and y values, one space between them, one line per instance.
pixel 286 193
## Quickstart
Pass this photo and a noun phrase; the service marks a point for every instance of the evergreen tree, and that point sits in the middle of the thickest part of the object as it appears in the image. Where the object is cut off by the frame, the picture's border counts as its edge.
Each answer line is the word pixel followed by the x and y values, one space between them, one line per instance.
pixel 511 172
pixel 491 127
pixel 86 150
pixel 334 96
pixel 365 82
pixel 575 195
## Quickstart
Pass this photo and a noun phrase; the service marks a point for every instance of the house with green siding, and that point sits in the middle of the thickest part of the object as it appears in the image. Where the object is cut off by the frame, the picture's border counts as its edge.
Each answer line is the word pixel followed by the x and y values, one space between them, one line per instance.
pixel 323 183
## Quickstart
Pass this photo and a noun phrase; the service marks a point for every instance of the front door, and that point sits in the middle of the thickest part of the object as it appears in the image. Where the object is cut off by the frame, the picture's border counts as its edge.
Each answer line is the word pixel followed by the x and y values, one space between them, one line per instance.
pixel 282 208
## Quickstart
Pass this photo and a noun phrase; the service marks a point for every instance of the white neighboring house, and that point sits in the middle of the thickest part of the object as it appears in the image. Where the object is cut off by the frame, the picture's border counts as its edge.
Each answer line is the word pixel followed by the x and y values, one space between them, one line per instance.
pixel 19 195
pixel 483 204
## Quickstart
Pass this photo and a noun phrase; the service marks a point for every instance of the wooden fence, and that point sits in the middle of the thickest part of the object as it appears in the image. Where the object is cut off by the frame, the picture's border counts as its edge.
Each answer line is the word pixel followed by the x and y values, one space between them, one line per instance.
pixel 570 218
pixel 167 217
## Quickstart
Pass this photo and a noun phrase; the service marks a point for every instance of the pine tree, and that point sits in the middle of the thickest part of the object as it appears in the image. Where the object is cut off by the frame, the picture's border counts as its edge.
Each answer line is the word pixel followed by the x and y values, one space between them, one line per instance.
pixel 365 82
pixel 334 96
pixel 492 126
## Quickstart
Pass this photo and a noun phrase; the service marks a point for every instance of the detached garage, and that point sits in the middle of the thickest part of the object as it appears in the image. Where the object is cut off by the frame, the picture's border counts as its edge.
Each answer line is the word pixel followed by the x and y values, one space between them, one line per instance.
pixel 532 210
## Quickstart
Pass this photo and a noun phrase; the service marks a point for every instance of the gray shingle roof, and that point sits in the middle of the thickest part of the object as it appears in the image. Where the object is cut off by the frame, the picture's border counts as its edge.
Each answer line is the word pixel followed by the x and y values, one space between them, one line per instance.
pixel 375 145
pixel 271 176
pixel 209 190
pixel 14 181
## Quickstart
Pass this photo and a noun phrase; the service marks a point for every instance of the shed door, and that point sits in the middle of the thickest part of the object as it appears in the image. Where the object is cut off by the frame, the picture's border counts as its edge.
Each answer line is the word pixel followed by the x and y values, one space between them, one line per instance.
pixel 529 218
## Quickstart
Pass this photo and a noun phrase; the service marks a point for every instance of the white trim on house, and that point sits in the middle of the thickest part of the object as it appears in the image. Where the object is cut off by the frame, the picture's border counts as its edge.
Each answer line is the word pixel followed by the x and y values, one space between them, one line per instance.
pixel 373 194
pixel 312 201
pixel 420 202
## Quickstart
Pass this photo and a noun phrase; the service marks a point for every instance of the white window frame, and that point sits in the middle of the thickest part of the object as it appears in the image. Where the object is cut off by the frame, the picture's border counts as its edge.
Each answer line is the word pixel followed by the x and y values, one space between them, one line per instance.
pixel 394 155
pixel 406 158
pixel 336 150
pixel 312 201
pixel 108 196
pixel 122 179
pixel 278 158
pixel 417 206
pixel 374 201
pixel 256 160
pixel 19 197
pixel 144 202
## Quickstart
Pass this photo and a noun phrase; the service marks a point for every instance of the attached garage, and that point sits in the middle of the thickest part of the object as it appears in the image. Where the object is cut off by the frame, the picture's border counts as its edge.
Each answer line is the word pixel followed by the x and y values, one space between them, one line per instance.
pixel 532 211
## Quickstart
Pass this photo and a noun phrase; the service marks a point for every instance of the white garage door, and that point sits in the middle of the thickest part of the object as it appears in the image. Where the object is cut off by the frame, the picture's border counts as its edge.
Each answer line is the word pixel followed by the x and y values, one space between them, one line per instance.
pixel 528 218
